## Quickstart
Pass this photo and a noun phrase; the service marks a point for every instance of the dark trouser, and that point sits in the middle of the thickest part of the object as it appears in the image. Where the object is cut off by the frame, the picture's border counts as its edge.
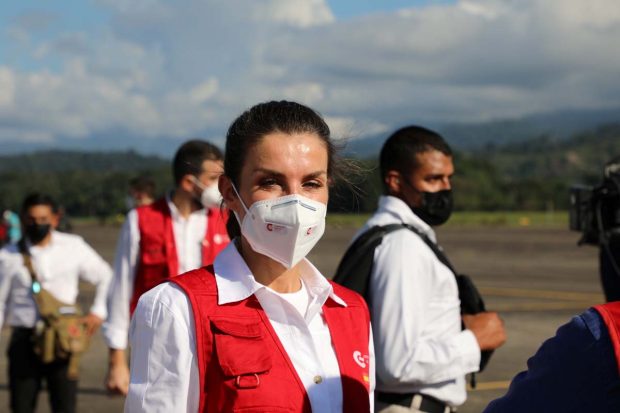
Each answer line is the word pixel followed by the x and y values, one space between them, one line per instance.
pixel 26 374
pixel 409 403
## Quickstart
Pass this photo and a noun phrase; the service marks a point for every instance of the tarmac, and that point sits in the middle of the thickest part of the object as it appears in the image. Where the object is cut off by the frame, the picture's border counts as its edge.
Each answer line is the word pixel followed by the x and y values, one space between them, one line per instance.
pixel 537 278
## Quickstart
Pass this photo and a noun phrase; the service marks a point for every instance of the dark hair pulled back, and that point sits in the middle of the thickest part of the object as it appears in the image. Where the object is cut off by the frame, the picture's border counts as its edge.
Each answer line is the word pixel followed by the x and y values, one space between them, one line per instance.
pixel 266 118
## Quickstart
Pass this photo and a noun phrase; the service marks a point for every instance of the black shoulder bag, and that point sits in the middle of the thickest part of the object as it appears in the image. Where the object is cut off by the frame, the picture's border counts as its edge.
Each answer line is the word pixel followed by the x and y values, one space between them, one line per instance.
pixel 356 266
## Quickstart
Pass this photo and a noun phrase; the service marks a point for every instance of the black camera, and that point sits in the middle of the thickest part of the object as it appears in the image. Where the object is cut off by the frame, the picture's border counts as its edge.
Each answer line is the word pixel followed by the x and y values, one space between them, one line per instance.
pixel 595 211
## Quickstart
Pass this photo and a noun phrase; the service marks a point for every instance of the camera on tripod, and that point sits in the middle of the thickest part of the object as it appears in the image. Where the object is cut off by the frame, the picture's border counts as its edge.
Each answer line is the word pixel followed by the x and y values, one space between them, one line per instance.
pixel 595 211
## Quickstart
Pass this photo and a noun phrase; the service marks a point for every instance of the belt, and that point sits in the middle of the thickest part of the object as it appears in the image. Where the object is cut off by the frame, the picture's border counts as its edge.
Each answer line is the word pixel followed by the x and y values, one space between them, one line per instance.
pixel 418 401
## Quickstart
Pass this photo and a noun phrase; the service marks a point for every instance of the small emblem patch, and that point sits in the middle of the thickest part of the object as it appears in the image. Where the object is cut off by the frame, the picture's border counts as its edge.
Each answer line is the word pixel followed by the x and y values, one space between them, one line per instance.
pixel 360 359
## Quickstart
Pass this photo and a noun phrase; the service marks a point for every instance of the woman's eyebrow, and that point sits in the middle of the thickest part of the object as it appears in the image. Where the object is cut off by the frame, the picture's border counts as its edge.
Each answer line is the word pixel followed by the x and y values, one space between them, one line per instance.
pixel 266 171
pixel 271 172
pixel 316 174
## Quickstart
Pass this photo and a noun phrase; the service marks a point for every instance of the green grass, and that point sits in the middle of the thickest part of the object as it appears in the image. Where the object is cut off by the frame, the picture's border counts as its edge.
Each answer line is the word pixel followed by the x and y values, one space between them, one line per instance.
pixel 511 218
pixel 460 218
pixel 346 220
pixel 474 218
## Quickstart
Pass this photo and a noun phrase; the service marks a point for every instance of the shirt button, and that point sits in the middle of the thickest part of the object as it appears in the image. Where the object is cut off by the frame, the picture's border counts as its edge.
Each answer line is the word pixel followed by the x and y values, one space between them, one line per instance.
pixel 318 379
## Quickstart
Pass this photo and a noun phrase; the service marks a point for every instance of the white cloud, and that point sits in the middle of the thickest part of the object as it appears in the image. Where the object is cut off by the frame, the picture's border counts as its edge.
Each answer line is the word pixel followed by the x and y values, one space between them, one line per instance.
pixel 204 91
pixel 480 9
pixel 301 13
pixel 308 92
pixel 351 128
pixel 160 71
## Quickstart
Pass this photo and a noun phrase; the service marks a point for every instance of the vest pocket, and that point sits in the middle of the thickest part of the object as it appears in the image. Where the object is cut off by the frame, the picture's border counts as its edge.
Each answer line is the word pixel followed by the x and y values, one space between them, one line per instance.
pixel 241 350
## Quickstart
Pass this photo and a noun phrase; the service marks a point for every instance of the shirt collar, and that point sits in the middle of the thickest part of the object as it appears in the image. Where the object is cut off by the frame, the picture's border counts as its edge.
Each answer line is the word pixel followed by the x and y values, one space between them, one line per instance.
pixel 401 211
pixel 235 282
pixel 36 248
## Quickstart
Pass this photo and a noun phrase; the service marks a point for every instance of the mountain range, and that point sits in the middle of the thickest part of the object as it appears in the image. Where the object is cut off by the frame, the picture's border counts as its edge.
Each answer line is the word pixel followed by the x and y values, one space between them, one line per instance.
pixel 472 137
pixel 462 136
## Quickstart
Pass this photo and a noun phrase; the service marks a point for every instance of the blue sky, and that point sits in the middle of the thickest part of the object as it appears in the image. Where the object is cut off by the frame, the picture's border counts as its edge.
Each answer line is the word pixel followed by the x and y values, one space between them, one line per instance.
pixel 151 73
pixel 45 19
pixel 344 9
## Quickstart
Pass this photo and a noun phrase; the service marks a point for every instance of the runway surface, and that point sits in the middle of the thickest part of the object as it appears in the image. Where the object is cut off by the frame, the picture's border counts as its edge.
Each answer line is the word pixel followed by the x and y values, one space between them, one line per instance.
pixel 537 278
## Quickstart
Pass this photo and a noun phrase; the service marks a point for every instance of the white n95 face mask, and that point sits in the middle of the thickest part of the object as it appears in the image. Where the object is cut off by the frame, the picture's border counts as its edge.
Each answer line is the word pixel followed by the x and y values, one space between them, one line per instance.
pixel 210 196
pixel 284 229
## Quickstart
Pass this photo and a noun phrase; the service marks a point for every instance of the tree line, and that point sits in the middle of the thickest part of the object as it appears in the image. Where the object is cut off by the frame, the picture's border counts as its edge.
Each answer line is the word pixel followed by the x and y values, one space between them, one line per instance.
pixel 534 174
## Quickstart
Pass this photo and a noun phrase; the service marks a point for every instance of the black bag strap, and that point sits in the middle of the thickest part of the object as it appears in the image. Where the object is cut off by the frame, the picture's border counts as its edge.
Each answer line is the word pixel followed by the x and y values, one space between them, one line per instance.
pixel 432 245
pixel 360 255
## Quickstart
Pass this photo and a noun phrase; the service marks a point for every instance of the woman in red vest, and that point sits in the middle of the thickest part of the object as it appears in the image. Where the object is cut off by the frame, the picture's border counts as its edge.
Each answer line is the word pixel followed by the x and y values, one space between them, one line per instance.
pixel 261 330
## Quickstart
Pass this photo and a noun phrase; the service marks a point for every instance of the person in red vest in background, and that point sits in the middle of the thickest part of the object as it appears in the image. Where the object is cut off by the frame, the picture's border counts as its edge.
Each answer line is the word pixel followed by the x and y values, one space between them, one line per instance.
pixel 182 231
pixel 141 191
pixel 577 370
pixel 261 330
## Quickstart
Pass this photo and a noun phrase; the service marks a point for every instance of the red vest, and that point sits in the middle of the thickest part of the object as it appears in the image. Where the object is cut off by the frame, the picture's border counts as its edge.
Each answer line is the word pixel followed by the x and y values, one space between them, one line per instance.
pixel 243 365
pixel 610 313
pixel 157 260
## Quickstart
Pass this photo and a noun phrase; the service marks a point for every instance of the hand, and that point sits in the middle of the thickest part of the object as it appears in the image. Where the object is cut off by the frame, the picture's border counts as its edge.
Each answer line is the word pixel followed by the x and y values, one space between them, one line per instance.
pixel 92 323
pixel 117 378
pixel 488 329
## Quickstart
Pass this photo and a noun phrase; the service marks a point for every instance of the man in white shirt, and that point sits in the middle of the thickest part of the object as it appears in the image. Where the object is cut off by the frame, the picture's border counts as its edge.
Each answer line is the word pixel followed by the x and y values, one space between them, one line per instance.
pixel 59 261
pixel 177 233
pixel 422 352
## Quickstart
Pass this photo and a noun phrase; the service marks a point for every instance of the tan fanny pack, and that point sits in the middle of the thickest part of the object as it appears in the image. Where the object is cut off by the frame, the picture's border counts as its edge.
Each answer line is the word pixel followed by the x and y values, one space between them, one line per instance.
pixel 61 333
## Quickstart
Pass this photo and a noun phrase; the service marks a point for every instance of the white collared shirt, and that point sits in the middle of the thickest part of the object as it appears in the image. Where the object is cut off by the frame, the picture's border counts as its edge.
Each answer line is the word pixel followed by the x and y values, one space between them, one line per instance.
pixel 163 378
pixel 188 233
pixel 420 346
pixel 58 266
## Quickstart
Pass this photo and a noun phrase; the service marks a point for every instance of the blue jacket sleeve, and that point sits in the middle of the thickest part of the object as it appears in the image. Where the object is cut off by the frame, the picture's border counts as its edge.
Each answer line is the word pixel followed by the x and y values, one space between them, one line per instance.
pixel 575 371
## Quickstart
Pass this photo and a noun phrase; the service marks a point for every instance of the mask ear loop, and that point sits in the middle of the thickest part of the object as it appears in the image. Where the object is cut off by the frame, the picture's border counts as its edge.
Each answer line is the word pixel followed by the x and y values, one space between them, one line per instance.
pixel 197 182
pixel 247 211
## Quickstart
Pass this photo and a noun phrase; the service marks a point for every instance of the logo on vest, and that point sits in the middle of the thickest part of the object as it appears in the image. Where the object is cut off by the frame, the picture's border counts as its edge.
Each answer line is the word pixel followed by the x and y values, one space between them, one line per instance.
pixel 361 360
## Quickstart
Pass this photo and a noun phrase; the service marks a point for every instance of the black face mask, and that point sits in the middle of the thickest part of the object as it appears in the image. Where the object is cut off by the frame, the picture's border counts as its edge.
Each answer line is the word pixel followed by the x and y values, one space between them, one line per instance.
pixel 36 232
pixel 436 207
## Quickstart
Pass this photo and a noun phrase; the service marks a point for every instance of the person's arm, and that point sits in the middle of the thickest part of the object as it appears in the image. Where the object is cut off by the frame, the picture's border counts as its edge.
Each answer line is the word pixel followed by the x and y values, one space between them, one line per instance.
pixel 93 269
pixel 409 346
pixel 164 368
pixel 572 371
pixel 116 327
pixel 6 280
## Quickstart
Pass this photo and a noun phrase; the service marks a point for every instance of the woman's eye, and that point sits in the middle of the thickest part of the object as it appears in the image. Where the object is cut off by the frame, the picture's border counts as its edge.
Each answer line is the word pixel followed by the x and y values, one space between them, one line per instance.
pixel 313 184
pixel 266 183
